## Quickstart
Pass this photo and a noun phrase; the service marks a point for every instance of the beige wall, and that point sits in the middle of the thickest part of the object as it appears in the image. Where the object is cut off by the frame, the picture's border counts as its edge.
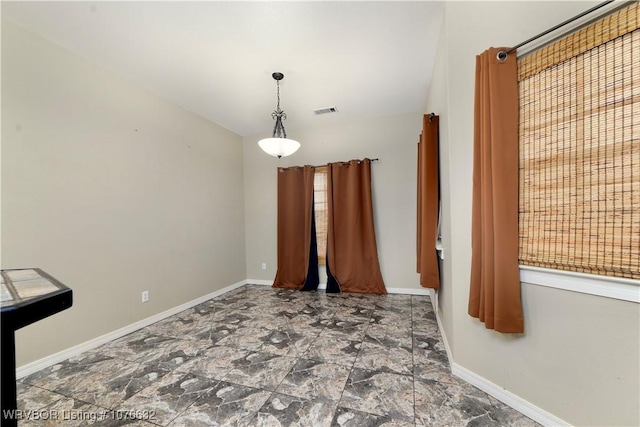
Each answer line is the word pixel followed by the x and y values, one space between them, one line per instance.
pixel 438 103
pixel 391 139
pixel 578 358
pixel 113 191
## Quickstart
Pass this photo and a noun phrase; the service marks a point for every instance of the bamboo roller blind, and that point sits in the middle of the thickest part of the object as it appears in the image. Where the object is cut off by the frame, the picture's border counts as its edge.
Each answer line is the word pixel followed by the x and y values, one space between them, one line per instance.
pixel 579 136
pixel 320 209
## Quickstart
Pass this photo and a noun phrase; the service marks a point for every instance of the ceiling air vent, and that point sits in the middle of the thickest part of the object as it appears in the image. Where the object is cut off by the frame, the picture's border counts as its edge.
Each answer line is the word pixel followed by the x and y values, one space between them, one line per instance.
pixel 325 110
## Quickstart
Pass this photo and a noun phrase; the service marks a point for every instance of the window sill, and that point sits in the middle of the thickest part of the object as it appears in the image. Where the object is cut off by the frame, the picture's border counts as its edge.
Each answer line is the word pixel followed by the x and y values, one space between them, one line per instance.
pixel 609 287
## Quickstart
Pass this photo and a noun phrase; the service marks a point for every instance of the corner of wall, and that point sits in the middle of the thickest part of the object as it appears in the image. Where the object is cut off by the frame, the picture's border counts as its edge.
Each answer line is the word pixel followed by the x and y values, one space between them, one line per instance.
pixel 437 101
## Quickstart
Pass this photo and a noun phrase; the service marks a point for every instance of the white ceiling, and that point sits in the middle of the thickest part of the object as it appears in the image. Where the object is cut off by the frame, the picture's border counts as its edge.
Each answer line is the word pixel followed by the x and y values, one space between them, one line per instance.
pixel 216 58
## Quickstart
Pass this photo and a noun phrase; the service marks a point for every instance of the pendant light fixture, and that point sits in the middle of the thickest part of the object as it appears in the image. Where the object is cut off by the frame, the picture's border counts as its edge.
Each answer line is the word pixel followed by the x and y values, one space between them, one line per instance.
pixel 279 145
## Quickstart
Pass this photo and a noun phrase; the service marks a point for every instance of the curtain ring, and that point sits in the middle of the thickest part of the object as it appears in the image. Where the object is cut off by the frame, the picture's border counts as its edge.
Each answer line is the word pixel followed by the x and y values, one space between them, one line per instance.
pixel 502 56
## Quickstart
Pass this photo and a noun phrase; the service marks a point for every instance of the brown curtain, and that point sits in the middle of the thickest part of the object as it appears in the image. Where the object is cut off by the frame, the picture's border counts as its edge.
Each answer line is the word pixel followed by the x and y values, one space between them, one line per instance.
pixel 494 296
pixel 295 224
pixel 428 203
pixel 352 254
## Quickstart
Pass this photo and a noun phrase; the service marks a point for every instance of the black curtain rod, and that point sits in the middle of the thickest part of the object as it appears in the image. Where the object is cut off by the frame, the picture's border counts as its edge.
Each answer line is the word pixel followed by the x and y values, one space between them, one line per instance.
pixel 321 166
pixel 502 55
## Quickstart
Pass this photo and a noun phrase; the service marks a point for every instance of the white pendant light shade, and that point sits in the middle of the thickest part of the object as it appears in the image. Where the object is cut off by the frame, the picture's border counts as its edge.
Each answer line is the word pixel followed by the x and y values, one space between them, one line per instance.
pixel 279 147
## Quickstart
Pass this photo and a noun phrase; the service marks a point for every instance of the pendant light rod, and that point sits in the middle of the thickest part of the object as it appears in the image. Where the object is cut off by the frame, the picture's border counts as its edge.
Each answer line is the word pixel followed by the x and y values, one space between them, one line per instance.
pixel 278 145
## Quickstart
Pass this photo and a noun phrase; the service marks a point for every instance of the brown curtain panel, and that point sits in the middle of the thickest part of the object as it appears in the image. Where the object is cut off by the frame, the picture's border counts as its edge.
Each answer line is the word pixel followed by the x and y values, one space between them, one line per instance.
pixel 295 220
pixel 494 296
pixel 352 254
pixel 428 204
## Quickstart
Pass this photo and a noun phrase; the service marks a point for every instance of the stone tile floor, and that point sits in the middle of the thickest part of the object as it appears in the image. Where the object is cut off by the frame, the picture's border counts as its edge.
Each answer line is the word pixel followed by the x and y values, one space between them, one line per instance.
pixel 259 356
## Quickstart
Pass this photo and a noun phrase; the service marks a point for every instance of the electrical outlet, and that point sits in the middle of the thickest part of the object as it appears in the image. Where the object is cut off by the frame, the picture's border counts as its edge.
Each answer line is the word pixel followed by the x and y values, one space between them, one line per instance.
pixel 264 265
pixel 145 296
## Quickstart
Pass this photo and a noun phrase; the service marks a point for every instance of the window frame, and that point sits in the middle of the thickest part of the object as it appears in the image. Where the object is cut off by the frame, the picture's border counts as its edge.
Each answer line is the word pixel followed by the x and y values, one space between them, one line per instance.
pixel 591 284
pixel 604 286
pixel 322 255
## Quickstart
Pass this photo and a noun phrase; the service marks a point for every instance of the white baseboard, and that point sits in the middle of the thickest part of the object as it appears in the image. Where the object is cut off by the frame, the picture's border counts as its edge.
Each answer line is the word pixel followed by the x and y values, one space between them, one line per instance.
pixel 322 286
pixel 434 303
pixel 409 291
pixel 259 282
pixel 58 357
pixel 535 413
pixel 516 402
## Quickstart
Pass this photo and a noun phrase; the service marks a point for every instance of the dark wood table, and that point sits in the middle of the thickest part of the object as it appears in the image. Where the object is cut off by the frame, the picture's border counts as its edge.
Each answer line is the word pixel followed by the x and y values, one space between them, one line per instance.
pixel 28 295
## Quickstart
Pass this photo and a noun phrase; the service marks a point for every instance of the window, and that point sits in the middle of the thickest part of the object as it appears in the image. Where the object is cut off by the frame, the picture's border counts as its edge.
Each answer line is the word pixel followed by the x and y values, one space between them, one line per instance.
pixel 579 139
pixel 320 209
